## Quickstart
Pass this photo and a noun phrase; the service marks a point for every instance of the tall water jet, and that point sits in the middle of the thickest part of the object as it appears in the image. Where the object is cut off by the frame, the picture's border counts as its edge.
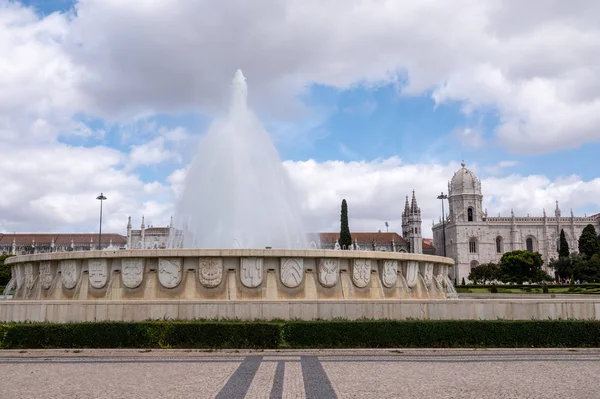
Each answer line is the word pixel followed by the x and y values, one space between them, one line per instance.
pixel 237 193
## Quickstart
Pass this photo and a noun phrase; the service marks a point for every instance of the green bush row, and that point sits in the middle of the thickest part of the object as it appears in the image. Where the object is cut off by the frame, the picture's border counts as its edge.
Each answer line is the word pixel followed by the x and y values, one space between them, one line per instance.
pixel 528 286
pixel 149 334
pixel 303 334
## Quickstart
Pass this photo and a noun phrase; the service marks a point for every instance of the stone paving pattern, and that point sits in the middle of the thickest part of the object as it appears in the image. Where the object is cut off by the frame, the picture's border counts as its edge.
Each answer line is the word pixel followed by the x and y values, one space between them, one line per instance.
pixel 414 373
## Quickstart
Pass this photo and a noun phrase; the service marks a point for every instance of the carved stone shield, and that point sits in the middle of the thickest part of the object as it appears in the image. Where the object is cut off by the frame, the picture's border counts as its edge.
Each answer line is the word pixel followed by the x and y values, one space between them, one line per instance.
pixel 98 272
pixel 361 272
pixel 132 272
pixel 412 273
pixel 252 272
pixel 46 276
pixel 16 269
pixel 292 271
pixel 29 278
pixel 210 271
pixel 427 272
pixel 169 272
pixel 390 273
pixel 329 271
pixel 68 270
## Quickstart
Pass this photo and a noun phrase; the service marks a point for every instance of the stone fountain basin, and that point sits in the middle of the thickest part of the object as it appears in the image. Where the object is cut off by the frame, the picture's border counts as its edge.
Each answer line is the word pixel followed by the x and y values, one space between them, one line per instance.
pixel 228 274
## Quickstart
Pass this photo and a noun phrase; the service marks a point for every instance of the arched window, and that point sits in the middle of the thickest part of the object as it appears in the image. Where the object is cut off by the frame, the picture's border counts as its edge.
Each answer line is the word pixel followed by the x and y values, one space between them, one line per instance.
pixel 470 214
pixel 499 245
pixel 529 244
pixel 474 264
pixel 472 246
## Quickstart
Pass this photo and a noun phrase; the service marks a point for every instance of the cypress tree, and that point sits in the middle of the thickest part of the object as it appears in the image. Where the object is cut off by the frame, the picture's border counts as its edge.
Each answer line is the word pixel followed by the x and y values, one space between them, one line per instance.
pixel 345 237
pixel 563 250
pixel 588 242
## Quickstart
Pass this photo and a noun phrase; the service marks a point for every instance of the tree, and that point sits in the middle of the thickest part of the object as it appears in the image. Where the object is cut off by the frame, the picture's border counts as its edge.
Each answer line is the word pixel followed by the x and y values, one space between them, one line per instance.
pixel 345 237
pixel 563 266
pixel 5 273
pixel 484 273
pixel 588 242
pixel 563 250
pixel 585 269
pixel 519 266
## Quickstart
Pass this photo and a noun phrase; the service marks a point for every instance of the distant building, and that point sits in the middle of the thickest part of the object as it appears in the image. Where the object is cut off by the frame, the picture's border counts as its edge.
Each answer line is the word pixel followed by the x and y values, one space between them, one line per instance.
pixel 33 243
pixel 158 238
pixel 472 237
pixel 374 241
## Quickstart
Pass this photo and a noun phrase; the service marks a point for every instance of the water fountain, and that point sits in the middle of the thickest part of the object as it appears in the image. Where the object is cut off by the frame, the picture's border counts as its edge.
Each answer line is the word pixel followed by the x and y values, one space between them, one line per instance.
pixel 237 192
pixel 239 250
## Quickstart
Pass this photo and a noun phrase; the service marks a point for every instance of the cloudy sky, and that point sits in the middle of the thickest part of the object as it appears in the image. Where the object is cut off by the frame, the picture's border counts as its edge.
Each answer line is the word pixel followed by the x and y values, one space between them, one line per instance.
pixel 364 100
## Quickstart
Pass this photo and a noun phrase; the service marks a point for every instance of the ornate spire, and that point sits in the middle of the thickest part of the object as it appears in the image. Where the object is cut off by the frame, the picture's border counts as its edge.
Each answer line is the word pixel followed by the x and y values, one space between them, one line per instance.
pixel 143 226
pixel 171 222
pixel 129 222
pixel 557 210
pixel 406 207
pixel 413 205
pixel 463 164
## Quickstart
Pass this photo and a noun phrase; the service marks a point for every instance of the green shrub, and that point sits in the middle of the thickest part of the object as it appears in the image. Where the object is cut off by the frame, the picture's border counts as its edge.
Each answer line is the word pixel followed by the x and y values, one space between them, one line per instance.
pixel 545 288
pixel 494 289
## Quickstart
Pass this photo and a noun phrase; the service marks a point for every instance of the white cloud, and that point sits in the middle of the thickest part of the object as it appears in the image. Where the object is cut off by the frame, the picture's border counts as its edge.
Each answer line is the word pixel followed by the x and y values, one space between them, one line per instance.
pixel 536 68
pixel 533 63
pixel 469 137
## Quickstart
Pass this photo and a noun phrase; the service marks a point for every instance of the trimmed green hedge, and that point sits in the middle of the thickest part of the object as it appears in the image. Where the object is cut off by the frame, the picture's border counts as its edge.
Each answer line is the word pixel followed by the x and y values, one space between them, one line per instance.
pixel 150 334
pixel 303 334
pixel 529 286
pixel 443 334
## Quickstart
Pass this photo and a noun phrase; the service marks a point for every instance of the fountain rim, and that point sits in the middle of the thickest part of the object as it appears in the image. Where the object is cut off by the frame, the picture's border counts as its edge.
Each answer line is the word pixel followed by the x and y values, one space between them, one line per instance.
pixel 228 252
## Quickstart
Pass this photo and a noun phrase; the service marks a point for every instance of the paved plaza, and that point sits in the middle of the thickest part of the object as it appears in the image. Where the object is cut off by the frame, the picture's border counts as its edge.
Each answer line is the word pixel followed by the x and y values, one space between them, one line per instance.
pixel 414 373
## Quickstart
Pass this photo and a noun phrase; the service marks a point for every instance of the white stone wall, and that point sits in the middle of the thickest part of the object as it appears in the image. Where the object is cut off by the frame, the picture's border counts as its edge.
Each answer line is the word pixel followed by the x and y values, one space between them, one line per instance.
pixel 544 238
pixel 464 193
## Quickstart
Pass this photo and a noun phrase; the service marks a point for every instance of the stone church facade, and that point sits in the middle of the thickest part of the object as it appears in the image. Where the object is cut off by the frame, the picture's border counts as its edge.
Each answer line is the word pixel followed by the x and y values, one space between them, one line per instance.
pixel 473 238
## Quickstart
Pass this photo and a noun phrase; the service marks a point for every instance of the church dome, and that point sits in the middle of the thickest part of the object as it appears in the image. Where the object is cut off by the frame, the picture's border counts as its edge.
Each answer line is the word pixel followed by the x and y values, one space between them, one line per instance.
pixel 464 182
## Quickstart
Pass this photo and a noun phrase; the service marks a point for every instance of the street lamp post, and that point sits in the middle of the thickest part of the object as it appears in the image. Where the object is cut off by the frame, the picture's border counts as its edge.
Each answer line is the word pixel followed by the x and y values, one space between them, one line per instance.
pixel 387 230
pixel 101 197
pixel 442 197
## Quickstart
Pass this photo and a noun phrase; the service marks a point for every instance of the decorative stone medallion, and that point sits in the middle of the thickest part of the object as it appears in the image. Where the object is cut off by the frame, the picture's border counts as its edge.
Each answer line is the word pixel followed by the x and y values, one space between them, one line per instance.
pixel 98 272
pixel 252 272
pixel 329 271
pixel 292 271
pixel 361 272
pixel 169 272
pixel 210 271
pixel 29 278
pixel 46 276
pixel 412 273
pixel 68 270
pixel 390 273
pixel 132 272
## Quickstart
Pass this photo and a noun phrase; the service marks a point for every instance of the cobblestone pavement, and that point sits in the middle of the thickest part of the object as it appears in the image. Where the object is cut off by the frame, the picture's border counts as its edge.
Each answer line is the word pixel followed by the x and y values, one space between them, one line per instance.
pixel 414 373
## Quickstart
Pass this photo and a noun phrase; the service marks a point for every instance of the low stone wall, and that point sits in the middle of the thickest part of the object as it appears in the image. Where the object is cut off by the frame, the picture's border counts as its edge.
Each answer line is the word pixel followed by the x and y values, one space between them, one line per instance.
pixel 458 309
pixel 229 275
